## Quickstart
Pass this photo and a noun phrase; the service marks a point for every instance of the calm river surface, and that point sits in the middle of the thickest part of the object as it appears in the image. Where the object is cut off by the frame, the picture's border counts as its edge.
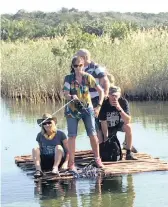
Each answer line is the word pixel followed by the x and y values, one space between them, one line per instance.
pixel 18 133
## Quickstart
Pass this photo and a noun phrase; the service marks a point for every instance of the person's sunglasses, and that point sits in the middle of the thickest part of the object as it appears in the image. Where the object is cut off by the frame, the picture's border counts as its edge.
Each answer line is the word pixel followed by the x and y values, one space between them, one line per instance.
pixel 76 66
pixel 48 122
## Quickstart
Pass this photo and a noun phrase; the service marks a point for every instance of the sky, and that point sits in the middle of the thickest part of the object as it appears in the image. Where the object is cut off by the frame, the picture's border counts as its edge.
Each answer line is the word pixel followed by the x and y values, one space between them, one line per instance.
pixel 146 6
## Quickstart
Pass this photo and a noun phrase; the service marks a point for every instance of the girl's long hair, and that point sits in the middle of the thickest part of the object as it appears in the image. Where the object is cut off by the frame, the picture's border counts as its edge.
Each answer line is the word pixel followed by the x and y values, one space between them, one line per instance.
pixel 53 129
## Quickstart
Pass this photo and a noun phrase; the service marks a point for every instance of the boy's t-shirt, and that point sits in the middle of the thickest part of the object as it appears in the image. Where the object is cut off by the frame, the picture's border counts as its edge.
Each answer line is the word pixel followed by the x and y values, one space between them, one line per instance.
pixel 47 147
pixel 110 114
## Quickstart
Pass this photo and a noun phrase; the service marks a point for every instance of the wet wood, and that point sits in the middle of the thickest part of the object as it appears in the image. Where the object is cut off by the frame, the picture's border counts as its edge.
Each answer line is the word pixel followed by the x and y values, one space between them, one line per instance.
pixel 145 163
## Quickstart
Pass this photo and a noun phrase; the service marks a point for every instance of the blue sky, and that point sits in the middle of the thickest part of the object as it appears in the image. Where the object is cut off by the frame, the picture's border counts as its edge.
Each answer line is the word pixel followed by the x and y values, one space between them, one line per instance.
pixel 148 6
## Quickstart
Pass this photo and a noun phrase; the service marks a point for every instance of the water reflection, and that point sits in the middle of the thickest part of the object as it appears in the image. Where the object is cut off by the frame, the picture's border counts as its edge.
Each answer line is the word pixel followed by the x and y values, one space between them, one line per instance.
pixel 30 112
pixel 148 113
pixel 95 192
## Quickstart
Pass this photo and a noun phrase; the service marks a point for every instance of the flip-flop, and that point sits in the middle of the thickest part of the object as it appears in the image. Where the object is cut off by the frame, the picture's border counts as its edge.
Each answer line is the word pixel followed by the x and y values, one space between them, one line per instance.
pixel 38 174
pixel 55 171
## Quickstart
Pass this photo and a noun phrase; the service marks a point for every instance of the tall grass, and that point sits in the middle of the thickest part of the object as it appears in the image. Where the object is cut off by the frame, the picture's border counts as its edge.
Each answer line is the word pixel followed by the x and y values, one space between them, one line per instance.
pixel 139 64
pixel 31 71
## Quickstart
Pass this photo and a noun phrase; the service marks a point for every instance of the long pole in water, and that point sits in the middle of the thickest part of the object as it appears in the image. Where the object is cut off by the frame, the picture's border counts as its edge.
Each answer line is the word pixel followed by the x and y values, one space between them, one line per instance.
pixel 56 111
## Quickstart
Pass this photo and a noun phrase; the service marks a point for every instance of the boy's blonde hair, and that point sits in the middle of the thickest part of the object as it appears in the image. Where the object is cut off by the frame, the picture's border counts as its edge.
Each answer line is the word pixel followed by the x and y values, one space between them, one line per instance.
pixel 83 53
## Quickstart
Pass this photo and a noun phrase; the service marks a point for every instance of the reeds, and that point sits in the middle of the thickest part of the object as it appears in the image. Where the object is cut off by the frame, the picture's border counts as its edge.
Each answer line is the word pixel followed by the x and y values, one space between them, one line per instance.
pixel 139 64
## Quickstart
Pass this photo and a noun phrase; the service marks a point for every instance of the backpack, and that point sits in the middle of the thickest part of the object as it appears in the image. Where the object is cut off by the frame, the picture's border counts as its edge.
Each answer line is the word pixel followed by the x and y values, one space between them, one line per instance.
pixel 110 150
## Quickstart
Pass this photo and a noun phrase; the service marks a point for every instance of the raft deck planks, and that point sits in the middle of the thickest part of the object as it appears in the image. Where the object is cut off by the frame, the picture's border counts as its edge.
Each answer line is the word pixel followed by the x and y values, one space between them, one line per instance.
pixel 145 163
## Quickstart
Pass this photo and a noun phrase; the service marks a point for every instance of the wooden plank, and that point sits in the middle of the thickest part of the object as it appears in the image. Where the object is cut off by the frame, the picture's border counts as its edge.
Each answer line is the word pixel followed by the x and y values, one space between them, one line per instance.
pixel 145 163
pixel 78 155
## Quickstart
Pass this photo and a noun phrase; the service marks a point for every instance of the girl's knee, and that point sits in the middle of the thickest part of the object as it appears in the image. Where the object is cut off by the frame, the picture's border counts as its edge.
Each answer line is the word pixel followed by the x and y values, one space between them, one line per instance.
pixel 59 148
pixel 36 150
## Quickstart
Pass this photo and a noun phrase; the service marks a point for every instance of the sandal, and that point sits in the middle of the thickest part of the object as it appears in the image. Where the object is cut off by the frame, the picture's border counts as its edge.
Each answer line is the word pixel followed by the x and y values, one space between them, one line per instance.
pixel 55 171
pixel 38 174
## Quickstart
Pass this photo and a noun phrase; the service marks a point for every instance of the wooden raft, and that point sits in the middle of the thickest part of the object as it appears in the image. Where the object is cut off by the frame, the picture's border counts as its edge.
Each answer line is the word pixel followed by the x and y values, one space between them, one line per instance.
pixel 145 163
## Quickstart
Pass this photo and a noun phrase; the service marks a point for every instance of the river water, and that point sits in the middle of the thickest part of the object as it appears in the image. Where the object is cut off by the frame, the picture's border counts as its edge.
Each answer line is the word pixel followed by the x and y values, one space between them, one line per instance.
pixel 18 189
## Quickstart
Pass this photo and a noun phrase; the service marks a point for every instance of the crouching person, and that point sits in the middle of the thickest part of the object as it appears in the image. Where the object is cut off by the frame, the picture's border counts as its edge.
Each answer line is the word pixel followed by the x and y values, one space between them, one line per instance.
pixel 52 152
pixel 115 116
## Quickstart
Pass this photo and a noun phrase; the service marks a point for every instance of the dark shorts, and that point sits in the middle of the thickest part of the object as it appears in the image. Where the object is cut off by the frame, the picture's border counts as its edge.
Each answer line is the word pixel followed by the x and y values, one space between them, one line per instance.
pixel 47 162
pixel 120 126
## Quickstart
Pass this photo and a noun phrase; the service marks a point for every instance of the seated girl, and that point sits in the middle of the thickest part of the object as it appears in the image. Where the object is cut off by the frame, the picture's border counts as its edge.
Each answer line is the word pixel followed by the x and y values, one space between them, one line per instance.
pixel 52 152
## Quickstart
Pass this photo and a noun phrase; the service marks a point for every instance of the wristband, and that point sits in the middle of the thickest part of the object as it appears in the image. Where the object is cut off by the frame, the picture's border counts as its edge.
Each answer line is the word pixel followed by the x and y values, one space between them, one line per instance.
pixel 120 111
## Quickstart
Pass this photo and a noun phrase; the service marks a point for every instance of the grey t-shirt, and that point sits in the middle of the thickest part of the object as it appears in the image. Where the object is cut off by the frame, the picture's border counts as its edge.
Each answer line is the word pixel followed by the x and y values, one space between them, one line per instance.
pixel 47 147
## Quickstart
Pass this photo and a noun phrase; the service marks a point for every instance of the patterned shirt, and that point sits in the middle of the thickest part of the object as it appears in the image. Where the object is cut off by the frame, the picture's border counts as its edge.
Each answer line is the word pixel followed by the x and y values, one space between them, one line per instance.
pixel 97 72
pixel 81 90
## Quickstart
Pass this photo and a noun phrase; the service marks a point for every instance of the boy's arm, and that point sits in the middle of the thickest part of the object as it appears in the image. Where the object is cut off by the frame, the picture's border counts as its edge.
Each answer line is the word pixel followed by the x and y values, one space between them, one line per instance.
pixel 104 82
pixel 124 112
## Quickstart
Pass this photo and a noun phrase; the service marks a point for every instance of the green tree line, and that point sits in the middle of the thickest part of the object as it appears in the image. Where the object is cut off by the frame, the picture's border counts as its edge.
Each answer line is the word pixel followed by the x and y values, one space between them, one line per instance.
pixel 31 25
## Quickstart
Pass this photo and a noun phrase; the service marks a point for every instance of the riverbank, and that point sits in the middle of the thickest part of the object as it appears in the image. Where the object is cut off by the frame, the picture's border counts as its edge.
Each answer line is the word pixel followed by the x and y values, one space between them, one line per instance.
pixel 35 70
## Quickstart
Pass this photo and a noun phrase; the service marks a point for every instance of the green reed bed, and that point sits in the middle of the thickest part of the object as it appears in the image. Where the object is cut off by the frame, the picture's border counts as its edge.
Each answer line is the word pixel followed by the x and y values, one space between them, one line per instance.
pixel 30 70
pixel 139 64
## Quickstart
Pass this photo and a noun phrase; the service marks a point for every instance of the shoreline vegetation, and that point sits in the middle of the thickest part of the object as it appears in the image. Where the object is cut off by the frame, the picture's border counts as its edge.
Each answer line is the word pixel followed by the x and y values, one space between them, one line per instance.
pixel 34 69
